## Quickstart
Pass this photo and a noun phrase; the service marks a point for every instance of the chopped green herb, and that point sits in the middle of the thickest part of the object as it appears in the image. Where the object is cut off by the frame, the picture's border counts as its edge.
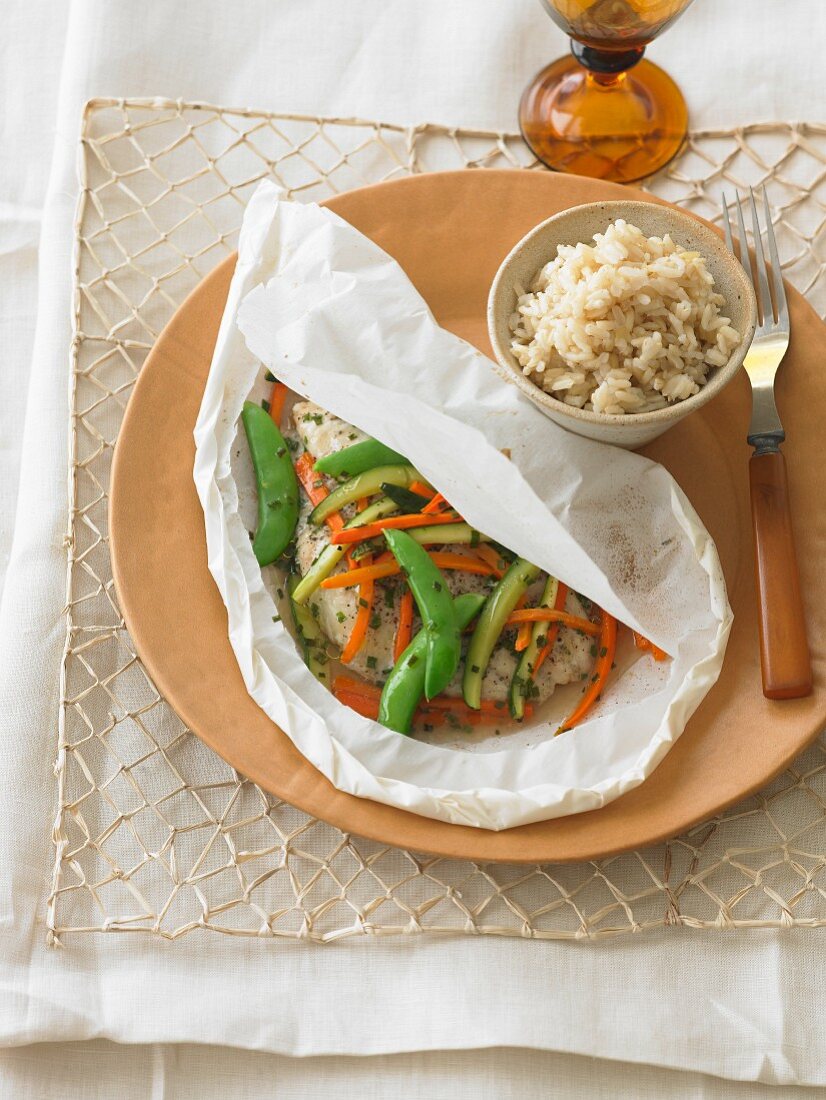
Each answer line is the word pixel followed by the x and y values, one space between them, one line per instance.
pixel 372 662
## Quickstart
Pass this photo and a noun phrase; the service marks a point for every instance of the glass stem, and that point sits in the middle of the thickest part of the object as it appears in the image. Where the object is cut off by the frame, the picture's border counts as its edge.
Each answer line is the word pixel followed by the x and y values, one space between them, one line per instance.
pixel 606 66
pixel 604 80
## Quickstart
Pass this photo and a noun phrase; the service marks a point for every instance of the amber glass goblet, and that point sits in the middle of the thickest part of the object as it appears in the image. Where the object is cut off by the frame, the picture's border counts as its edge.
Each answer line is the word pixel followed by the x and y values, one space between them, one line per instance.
pixel 606 112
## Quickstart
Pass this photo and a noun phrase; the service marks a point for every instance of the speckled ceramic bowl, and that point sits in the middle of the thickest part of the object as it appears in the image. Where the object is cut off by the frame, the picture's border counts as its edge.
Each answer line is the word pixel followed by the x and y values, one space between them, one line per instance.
pixel 579 225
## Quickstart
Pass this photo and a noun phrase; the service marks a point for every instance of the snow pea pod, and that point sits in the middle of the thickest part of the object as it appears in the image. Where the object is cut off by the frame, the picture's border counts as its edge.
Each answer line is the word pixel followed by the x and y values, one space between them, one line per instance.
pixel 432 595
pixel 358 458
pixel 500 603
pixel 276 481
pixel 363 485
pixel 404 687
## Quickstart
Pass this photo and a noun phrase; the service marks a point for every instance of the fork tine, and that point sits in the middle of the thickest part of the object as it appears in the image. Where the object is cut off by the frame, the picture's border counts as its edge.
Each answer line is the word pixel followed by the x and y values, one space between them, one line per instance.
pixel 727 226
pixel 760 263
pixel 745 258
pixel 777 275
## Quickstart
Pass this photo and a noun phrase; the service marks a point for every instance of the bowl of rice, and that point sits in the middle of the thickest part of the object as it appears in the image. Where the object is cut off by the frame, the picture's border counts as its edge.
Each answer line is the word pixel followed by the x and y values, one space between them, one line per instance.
pixel 618 319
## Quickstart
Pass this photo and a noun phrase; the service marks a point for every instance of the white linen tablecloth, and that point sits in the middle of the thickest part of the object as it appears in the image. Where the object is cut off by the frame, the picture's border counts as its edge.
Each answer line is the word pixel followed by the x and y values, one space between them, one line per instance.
pixel 746 1007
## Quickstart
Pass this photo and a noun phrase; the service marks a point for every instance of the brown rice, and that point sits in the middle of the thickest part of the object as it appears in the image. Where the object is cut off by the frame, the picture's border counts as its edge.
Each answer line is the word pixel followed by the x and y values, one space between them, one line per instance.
pixel 625 325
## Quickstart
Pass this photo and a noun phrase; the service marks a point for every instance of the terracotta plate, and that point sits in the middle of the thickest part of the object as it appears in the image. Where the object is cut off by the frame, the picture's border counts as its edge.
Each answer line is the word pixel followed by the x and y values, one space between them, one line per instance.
pixel 449 232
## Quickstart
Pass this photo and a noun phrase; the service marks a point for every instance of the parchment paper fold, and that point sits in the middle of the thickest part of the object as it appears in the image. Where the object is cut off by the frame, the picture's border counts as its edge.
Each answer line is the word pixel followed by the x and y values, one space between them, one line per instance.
pixel 333 316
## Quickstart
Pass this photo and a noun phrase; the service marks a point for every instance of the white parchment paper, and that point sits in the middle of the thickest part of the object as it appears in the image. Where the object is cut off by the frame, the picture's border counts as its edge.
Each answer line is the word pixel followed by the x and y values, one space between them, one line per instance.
pixel 335 317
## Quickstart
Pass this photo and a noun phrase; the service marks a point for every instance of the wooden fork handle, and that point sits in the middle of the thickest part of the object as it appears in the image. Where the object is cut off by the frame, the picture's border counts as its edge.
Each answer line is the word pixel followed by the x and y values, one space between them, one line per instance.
pixel 784 651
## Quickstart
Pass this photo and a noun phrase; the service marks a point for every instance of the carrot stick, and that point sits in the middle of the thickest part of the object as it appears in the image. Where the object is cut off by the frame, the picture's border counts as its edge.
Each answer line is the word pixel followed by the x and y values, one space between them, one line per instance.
pixel 436 503
pixel 356 687
pixel 642 643
pixel 391 568
pixel 311 482
pixel 359 631
pixel 523 634
pixel 422 490
pixel 366 595
pixel 446 560
pixel 553 631
pixel 361 704
pixel 371 530
pixel 277 399
pixel 602 669
pixel 493 558
pixel 404 631
pixel 443 702
pixel 551 615
pixel 433 716
pixel 313 485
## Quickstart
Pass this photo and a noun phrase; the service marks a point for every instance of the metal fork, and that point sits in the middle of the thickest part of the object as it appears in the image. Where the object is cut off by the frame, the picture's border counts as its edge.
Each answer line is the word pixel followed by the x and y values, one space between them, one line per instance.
pixel 784 651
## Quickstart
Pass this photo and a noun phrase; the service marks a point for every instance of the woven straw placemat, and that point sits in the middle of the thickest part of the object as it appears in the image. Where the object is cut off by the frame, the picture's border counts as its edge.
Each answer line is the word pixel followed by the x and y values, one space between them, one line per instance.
pixel 156 834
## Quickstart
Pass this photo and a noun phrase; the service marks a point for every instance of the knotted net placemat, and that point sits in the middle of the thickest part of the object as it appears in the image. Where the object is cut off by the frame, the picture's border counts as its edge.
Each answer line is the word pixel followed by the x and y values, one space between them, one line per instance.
pixel 156 834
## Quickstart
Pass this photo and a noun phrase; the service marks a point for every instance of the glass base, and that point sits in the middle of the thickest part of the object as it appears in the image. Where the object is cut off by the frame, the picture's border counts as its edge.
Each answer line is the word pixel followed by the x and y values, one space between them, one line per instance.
pixel 615 127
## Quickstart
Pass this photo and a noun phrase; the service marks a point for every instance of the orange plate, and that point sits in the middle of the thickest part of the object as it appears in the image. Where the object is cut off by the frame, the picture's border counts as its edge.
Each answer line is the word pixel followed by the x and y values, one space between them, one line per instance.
pixel 449 232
